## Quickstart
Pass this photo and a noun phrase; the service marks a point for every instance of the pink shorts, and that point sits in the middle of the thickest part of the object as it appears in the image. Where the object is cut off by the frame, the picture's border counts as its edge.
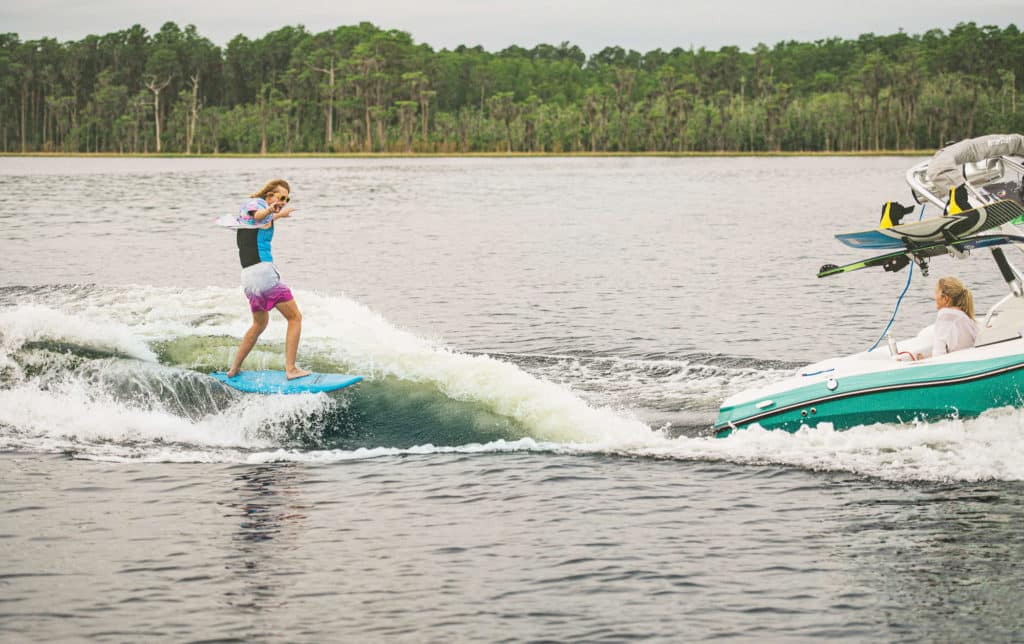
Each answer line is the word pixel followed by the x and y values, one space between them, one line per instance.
pixel 269 299
pixel 263 286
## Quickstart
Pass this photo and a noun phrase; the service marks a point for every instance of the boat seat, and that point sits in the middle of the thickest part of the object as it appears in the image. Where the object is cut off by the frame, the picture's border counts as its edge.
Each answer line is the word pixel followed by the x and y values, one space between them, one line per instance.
pixel 1006 324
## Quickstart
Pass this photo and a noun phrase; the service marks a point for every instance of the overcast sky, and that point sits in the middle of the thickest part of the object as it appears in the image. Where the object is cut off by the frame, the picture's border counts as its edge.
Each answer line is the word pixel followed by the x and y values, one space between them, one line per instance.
pixel 592 24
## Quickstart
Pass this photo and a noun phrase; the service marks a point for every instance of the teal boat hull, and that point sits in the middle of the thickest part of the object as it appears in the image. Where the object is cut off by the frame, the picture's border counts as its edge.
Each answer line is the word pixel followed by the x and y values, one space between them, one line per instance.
pixel 960 389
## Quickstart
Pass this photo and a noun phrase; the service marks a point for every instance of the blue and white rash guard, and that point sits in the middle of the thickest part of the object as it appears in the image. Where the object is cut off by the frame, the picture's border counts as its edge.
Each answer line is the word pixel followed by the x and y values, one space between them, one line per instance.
pixel 254 243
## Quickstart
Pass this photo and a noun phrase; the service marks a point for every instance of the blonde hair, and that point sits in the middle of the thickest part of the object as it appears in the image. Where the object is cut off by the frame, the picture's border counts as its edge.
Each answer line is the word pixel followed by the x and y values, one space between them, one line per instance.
pixel 271 186
pixel 958 294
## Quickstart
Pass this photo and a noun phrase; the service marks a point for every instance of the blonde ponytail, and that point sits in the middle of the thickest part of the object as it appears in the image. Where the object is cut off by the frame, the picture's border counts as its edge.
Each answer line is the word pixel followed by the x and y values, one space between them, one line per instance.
pixel 959 295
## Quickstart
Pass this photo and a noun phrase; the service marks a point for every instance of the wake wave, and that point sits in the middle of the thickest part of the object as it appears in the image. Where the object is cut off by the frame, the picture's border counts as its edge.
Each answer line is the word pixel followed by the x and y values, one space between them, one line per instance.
pixel 70 372
pixel 73 381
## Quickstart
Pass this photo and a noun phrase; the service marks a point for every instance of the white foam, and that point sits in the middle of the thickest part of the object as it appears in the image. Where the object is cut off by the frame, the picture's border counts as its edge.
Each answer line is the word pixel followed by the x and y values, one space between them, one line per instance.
pixel 33 323
pixel 73 412
pixel 988 447
pixel 164 454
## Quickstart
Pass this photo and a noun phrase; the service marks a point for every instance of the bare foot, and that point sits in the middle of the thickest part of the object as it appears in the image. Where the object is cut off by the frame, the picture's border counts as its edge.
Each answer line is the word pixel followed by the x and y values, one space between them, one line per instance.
pixel 292 374
pixel 233 372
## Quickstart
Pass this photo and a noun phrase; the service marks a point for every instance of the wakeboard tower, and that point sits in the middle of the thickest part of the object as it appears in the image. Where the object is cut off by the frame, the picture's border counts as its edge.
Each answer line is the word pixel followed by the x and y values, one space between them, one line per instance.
pixel 975 183
pixel 978 184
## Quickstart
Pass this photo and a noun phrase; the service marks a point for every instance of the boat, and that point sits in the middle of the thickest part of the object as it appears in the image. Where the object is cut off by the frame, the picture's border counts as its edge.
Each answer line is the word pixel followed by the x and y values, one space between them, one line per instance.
pixel 888 384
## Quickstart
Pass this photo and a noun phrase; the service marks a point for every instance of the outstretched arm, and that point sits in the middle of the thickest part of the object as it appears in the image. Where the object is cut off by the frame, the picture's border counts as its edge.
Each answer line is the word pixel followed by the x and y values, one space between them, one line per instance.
pixel 283 213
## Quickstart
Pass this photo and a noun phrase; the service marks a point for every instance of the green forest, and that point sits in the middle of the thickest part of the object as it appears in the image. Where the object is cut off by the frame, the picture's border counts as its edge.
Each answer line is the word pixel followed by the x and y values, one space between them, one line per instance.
pixel 363 89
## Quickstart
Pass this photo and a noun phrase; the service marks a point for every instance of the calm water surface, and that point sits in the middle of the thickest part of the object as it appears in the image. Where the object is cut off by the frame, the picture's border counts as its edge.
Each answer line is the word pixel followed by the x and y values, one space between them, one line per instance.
pixel 546 342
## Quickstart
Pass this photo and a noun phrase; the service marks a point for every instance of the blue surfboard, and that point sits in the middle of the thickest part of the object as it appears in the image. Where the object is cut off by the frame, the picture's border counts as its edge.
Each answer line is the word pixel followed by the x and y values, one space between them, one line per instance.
pixel 275 382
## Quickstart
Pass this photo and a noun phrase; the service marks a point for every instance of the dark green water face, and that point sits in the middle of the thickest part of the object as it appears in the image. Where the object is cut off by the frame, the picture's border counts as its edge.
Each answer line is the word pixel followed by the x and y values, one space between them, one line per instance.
pixel 546 343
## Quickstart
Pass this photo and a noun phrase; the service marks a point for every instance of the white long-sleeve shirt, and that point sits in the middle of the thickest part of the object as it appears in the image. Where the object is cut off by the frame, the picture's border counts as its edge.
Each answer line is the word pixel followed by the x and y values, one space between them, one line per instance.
pixel 953 331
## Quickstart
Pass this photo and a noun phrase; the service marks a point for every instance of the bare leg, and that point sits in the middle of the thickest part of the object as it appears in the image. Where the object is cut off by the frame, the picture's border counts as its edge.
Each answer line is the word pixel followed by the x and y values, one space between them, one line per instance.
pixel 290 311
pixel 259 323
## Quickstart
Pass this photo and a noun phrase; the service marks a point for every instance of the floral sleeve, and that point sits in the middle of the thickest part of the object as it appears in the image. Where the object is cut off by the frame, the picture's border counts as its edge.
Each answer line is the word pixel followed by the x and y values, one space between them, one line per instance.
pixel 247 212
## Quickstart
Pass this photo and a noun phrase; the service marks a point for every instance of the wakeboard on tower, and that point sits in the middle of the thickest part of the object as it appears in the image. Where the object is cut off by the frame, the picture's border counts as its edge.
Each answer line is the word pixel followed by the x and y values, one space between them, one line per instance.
pixel 945 228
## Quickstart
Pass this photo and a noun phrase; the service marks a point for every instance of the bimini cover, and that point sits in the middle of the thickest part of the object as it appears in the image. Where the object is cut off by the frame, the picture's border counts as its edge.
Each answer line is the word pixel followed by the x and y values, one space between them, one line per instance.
pixel 944 169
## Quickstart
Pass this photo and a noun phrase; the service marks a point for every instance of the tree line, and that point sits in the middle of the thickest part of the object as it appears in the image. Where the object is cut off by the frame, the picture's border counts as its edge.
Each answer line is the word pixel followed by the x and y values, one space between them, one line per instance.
pixel 361 88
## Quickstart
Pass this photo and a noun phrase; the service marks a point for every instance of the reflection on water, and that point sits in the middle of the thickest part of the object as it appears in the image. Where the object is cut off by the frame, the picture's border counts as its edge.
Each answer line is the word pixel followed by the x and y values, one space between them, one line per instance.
pixel 270 516
pixel 270 501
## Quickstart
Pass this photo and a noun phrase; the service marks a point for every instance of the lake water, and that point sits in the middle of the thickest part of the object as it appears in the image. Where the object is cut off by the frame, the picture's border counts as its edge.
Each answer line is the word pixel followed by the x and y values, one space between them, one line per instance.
pixel 545 344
